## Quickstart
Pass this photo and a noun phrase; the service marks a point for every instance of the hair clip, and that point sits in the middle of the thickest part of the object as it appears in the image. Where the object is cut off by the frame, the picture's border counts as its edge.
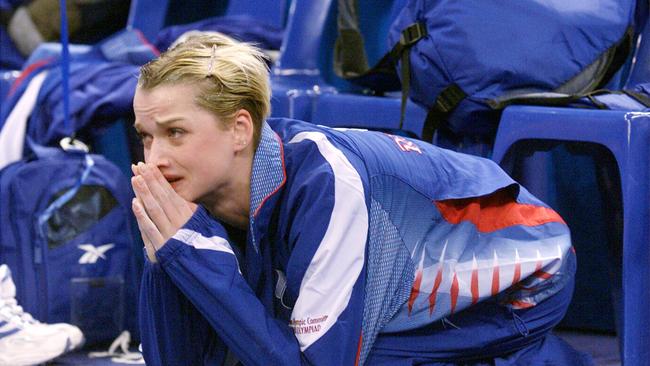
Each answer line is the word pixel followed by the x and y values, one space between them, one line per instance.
pixel 212 57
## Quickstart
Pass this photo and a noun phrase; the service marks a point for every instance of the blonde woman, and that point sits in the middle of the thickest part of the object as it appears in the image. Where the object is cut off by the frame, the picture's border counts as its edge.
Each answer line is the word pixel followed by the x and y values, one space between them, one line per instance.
pixel 278 242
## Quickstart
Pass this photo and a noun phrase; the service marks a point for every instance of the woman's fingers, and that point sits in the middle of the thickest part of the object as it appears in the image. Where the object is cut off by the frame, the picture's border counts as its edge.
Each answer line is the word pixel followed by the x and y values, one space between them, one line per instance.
pixel 177 207
pixel 162 190
pixel 166 209
pixel 150 235
pixel 152 207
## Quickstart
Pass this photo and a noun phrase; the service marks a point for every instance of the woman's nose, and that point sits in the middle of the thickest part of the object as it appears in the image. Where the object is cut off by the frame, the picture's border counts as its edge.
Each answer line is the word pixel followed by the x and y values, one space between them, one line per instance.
pixel 156 154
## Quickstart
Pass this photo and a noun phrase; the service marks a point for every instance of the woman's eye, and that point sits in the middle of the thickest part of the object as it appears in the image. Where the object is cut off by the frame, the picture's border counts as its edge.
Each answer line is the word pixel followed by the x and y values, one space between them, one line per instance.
pixel 175 132
pixel 144 137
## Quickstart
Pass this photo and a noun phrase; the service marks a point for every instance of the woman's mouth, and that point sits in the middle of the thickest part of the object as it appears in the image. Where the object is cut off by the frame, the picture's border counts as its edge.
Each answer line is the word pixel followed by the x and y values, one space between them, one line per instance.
pixel 173 181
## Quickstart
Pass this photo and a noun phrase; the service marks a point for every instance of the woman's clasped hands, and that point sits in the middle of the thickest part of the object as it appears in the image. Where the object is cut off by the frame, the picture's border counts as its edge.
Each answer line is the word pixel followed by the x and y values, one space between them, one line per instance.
pixel 158 209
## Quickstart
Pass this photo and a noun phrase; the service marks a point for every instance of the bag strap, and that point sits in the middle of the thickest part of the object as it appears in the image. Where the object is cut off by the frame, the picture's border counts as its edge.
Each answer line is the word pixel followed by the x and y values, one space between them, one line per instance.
pixel 351 60
pixel 639 97
pixel 65 66
pixel 563 100
pixel 445 103
pixel 556 99
pixel 410 36
pixel 69 143
pixel 385 68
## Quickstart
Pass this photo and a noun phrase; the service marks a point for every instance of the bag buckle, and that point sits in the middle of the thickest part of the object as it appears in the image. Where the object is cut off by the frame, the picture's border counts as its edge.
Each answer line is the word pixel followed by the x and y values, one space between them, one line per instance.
pixel 412 34
pixel 449 98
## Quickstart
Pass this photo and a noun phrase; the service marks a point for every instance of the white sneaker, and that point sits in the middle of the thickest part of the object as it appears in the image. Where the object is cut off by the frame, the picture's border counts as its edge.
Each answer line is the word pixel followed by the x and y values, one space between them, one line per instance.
pixel 23 339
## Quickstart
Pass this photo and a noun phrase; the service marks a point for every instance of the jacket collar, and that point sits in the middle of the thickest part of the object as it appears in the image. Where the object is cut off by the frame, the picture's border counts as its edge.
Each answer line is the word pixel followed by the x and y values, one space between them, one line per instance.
pixel 267 178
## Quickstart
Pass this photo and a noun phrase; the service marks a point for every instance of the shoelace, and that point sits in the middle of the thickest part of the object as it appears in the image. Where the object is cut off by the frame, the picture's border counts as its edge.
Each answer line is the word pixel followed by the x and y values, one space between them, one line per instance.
pixel 119 351
pixel 14 312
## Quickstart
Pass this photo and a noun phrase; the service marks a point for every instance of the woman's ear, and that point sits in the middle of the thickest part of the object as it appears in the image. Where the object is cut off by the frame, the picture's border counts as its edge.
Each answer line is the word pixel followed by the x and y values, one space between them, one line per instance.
pixel 243 130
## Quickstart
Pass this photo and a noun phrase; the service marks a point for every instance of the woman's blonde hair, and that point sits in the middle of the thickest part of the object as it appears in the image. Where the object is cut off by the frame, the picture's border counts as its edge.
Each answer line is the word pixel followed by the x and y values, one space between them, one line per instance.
pixel 229 75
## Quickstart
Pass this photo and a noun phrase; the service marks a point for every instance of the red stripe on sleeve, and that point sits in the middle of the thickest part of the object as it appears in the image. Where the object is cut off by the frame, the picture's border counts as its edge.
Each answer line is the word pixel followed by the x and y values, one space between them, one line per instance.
pixel 495 211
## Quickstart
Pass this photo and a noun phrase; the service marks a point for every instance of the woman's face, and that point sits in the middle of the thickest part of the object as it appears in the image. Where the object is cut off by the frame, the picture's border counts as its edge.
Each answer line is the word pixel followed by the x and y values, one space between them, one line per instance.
pixel 191 147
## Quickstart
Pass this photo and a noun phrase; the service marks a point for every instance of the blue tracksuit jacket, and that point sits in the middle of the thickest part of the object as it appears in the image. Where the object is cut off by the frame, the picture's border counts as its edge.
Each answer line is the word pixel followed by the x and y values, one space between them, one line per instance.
pixel 362 247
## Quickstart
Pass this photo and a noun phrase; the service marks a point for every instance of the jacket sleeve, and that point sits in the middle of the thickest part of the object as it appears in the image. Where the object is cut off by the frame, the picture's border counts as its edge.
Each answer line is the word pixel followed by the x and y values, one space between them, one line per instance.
pixel 201 263
pixel 326 321
pixel 173 332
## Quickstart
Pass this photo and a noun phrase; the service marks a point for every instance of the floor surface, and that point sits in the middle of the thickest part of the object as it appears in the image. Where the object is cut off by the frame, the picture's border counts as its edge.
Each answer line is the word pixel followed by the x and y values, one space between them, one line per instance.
pixel 603 349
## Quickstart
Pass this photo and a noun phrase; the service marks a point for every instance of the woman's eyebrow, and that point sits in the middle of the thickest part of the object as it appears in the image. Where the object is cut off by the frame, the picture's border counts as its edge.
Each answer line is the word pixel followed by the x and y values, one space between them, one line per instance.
pixel 169 121
pixel 137 125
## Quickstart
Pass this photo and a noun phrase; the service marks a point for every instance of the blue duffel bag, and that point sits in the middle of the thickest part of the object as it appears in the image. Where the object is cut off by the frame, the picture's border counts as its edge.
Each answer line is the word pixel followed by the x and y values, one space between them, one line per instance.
pixel 464 61
pixel 66 233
